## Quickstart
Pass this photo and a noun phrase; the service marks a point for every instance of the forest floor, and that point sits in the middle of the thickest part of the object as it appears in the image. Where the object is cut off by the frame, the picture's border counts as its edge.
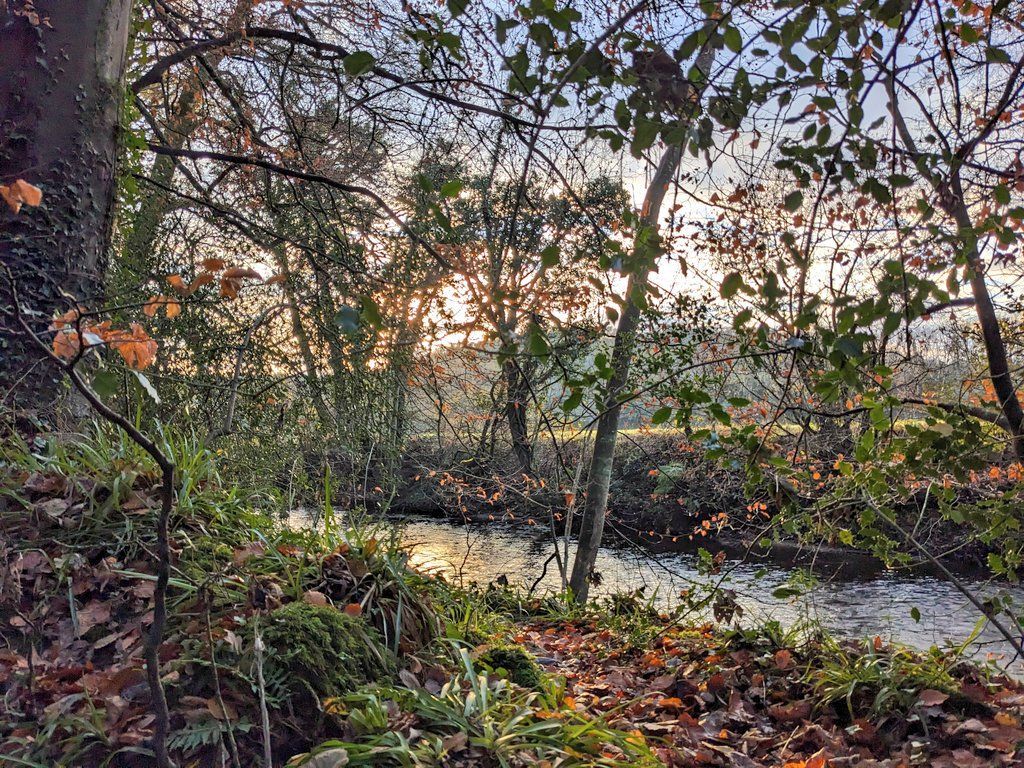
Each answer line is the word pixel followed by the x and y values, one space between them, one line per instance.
pixel 370 663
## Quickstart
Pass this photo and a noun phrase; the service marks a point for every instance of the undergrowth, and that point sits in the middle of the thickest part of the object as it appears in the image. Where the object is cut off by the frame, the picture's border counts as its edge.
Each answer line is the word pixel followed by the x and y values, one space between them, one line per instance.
pixel 366 661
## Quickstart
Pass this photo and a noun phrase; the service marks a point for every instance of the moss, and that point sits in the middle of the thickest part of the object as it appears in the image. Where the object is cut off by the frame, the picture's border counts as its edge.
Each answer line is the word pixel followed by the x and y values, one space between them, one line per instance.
pixel 323 651
pixel 512 662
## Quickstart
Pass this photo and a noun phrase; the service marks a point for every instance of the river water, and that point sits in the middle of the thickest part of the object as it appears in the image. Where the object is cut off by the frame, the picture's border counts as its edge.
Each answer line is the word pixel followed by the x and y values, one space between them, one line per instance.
pixel 858 602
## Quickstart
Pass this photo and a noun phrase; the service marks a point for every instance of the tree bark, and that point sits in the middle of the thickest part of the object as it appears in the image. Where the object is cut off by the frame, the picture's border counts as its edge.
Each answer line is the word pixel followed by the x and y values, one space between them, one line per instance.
pixel 595 509
pixel 516 398
pixel 60 98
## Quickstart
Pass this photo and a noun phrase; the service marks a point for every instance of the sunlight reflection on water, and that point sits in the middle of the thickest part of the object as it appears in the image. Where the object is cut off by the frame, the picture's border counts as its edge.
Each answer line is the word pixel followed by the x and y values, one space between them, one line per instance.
pixel 851 605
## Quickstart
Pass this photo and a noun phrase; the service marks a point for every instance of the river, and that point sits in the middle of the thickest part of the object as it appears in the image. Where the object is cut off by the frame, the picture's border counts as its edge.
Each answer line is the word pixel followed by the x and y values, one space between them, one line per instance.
pixel 863 601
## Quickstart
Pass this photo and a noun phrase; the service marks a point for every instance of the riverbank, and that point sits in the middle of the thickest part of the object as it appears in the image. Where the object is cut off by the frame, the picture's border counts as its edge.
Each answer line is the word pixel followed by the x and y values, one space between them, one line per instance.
pixel 666 495
pixel 357 658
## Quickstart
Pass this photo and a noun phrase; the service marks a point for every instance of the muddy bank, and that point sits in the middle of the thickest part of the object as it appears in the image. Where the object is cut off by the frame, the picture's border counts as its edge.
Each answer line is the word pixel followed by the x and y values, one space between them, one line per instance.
pixel 663 495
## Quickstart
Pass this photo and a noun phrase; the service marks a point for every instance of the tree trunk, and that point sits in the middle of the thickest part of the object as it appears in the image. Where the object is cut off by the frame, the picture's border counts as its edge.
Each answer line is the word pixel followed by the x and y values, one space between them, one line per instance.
pixel 595 507
pixel 60 97
pixel 991 334
pixel 516 398
pixel 599 478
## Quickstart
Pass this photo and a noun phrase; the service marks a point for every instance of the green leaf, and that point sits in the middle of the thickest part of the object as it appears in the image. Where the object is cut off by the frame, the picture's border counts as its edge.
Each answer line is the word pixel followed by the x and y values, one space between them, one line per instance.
pixel 733 40
pixel 731 285
pixel 997 56
pixel 793 201
pixel 549 256
pixel 370 312
pixel 915 614
pixel 358 63
pixel 661 415
pixel 457 7
pixel 451 188
pixel 106 383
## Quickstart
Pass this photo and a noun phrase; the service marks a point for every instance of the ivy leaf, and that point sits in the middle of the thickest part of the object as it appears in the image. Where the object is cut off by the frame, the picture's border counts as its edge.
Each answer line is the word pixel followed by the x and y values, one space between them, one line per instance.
pixel 793 201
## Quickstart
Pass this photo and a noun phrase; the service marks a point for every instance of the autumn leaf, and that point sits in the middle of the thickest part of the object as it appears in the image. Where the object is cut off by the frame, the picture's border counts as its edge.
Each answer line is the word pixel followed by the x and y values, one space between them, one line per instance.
pixel 276 279
pixel 152 305
pixel 229 288
pixel 203 278
pixel 353 610
pixel 213 264
pixel 312 597
pixel 929 697
pixel 136 348
pixel 177 283
pixel 20 193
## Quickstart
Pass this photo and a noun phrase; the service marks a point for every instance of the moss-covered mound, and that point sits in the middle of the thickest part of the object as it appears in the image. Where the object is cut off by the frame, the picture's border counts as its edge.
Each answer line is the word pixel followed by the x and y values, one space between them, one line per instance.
pixel 324 651
pixel 512 662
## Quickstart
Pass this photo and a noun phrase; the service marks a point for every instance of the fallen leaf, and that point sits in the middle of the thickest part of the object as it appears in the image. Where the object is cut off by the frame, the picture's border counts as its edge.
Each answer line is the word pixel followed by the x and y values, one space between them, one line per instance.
pixel 929 697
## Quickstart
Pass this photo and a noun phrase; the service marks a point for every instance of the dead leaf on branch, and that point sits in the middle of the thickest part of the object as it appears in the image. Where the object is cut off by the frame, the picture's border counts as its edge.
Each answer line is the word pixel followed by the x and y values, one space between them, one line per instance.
pixel 20 193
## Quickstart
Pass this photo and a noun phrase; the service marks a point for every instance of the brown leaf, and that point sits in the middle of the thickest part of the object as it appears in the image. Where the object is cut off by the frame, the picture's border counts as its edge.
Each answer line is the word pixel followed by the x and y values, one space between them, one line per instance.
pixel 790 713
pixel 227 712
pixel 315 598
pixel 242 554
pixel 784 659
pixel 354 609
pixel 929 697
pixel 213 264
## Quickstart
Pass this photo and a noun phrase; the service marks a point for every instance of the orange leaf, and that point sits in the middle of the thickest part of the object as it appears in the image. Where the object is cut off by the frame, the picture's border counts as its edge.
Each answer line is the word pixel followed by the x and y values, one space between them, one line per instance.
pixel 152 305
pixel 65 345
pixel 30 195
pixel 229 287
pixel 203 278
pixel 213 265
pixel 173 308
pixel 177 283
pixel 68 318
pixel 276 279
pixel 20 192
pixel 137 349
pixel 354 609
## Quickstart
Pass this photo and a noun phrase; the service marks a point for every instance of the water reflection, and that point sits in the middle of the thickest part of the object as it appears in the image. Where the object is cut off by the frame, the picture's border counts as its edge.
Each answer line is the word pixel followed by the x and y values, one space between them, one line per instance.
pixel 851 604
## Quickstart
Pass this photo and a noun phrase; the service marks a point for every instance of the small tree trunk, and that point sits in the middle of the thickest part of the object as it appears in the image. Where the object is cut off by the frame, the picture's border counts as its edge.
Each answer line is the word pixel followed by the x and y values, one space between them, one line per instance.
pixel 516 398
pixel 991 334
pixel 595 507
pixel 60 96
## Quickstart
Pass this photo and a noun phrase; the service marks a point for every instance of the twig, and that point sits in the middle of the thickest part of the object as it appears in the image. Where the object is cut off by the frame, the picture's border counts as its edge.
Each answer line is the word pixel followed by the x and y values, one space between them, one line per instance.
pixel 154 638
pixel 264 712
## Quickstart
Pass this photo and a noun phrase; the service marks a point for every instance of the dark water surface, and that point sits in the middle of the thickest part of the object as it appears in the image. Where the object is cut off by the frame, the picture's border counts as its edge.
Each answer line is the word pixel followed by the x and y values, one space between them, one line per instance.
pixel 859 601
